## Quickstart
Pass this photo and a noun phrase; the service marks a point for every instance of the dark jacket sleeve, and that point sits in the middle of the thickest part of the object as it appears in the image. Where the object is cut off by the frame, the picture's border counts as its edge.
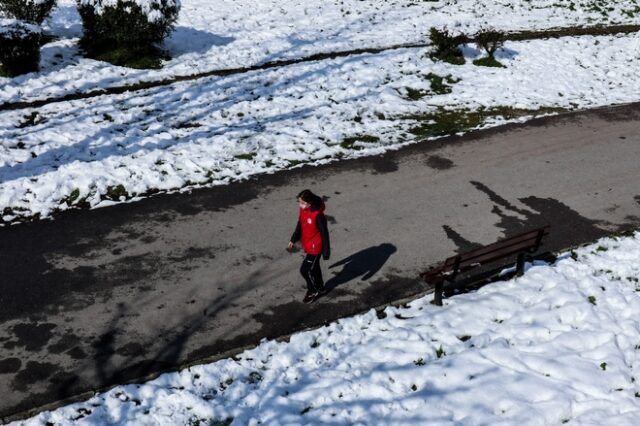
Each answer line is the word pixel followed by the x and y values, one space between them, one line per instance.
pixel 321 223
pixel 296 234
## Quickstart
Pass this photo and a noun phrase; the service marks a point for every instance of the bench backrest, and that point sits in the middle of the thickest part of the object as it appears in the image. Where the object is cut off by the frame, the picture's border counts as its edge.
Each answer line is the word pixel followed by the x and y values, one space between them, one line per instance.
pixel 525 242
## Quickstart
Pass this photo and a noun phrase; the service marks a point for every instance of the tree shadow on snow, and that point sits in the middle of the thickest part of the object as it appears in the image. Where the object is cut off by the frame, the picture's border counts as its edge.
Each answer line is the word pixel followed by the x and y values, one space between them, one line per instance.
pixel 139 130
pixel 471 52
pixel 190 40
pixel 64 22
pixel 505 53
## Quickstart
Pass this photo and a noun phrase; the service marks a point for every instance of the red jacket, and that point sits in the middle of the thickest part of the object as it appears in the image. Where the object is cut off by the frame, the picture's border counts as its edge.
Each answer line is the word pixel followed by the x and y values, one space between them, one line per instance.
pixel 312 230
pixel 310 233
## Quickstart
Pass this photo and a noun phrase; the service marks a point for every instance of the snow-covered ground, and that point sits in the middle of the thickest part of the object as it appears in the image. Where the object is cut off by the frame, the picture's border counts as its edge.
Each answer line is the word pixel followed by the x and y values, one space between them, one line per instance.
pixel 233 33
pixel 214 130
pixel 221 129
pixel 559 345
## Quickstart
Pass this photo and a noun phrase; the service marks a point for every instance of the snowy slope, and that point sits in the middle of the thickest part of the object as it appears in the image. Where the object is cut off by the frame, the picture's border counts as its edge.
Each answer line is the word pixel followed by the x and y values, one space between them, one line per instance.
pixel 233 33
pixel 225 129
pixel 559 345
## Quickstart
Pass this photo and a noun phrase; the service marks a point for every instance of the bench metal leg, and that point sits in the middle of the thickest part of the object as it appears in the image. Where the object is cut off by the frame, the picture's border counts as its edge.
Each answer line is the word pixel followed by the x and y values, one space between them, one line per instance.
pixel 520 265
pixel 437 297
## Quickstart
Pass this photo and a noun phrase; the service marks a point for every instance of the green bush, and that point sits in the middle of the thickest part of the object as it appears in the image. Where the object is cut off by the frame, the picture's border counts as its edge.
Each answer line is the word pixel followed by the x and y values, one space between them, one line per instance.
pixel 126 31
pixel 19 47
pixel 33 11
pixel 446 47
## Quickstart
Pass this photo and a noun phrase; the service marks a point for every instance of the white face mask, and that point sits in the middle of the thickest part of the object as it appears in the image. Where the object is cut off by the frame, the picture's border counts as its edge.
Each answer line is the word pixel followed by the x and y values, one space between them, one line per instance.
pixel 302 205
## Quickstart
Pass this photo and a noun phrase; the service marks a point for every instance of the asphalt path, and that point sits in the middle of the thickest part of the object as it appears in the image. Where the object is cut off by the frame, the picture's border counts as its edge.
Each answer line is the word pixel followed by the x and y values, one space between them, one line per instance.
pixel 101 297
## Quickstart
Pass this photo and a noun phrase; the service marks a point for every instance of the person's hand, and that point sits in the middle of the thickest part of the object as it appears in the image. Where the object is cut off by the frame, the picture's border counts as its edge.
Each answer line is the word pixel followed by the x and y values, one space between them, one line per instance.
pixel 290 246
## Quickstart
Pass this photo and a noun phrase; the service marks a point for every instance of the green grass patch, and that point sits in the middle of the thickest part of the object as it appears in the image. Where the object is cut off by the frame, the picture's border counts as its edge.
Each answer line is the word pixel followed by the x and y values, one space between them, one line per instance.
pixel 452 58
pixel 595 30
pixel 151 59
pixel 29 120
pixel 248 156
pixel 416 94
pixel 69 199
pixel 443 122
pixel 5 73
pixel 438 85
pixel 293 163
pixel 197 421
pixel 114 193
pixel 353 142
pixel 488 62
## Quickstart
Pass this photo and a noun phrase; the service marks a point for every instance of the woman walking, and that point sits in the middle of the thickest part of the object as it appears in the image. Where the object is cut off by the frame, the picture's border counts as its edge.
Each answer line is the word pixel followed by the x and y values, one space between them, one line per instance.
pixel 312 231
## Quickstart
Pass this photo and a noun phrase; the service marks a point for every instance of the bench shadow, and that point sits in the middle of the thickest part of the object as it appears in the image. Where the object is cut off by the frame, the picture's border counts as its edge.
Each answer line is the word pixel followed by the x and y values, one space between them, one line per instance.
pixel 364 264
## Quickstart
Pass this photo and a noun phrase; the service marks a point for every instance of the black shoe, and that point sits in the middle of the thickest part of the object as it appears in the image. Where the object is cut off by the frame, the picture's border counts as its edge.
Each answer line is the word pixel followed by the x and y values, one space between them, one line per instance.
pixel 310 296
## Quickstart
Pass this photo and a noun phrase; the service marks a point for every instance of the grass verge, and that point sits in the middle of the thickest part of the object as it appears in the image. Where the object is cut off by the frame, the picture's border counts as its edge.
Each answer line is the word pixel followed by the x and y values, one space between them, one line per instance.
pixel 356 142
pixel 443 122
pixel 595 30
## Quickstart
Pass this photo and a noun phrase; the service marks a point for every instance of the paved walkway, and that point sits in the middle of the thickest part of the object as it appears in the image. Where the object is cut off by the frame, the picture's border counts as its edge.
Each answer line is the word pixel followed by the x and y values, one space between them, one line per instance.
pixel 99 297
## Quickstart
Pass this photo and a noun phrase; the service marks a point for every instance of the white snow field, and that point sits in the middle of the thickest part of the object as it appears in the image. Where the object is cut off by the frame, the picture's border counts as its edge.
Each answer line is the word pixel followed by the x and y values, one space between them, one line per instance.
pixel 559 345
pixel 217 129
pixel 211 131
pixel 219 34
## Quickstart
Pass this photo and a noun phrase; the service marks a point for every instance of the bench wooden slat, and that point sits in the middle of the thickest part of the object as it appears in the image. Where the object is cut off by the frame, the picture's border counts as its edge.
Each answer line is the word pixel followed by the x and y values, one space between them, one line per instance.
pixel 500 251
pixel 529 236
pixel 515 242
pixel 496 254
pixel 477 260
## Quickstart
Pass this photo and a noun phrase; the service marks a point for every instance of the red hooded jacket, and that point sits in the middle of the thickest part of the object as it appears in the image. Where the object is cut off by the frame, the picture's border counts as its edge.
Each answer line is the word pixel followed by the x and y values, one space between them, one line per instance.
pixel 312 230
pixel 310 233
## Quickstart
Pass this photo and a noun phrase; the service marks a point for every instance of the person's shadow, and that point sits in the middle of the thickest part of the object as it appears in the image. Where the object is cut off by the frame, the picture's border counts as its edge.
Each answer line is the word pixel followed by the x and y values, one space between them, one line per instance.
pixel 364 264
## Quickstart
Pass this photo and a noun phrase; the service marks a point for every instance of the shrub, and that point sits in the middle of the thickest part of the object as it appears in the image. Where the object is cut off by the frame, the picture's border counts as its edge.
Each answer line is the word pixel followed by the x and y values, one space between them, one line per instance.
pixel 490 41
pixel 33 11
pixel 19 47
pixel 447 46
pixel 122 31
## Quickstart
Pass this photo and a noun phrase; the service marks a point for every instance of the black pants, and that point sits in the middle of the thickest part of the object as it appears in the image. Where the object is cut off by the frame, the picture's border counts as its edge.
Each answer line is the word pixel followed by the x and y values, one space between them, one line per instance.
pixel 311 272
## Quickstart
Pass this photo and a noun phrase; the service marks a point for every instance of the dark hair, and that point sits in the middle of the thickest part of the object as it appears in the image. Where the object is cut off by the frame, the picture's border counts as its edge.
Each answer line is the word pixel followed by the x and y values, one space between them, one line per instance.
pixel 309 197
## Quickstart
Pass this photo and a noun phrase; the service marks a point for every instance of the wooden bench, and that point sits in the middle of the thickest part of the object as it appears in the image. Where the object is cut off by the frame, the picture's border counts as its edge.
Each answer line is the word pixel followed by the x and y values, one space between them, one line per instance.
pixel 521 245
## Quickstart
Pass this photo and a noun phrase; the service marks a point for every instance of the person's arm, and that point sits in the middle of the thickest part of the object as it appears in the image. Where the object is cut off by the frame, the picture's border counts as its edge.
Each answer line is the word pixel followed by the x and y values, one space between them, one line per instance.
pixel 321 223
pixel 296 234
